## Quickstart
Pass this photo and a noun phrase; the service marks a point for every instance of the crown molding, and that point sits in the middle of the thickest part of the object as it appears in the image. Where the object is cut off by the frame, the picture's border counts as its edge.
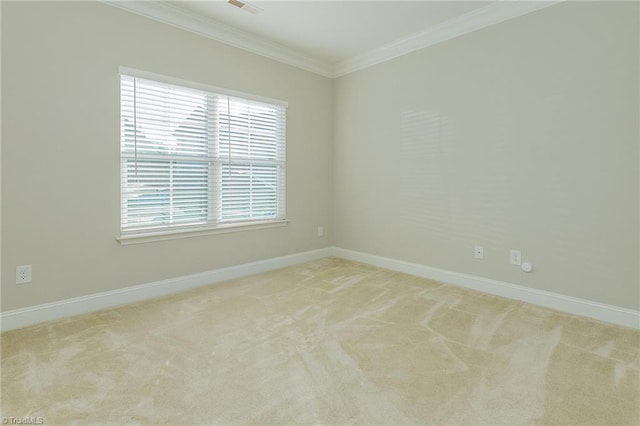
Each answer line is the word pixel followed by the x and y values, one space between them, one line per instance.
pixel 487 16
pixel 178 17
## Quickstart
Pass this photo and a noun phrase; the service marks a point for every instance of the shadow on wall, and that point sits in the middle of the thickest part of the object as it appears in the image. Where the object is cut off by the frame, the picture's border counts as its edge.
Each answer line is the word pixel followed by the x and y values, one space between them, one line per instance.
pixel 436 200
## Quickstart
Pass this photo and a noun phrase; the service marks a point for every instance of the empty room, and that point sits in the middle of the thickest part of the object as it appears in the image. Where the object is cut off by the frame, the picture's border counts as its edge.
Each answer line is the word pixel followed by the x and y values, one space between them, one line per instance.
pixel 320 212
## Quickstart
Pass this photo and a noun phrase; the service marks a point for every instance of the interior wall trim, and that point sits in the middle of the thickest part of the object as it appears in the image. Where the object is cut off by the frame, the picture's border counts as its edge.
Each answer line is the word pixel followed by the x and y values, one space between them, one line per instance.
pixel 24 317
pixel 572 305
pixel 486 16
pixel 175 16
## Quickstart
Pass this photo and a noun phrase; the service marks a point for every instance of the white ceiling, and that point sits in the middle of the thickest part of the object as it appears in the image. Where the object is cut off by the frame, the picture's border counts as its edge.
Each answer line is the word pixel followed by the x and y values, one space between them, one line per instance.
pixel 332 37
pixel 333 31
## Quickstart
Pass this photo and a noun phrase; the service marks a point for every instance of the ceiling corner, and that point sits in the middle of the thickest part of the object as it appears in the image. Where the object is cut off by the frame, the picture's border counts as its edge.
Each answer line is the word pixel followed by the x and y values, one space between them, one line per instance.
pixel 487 16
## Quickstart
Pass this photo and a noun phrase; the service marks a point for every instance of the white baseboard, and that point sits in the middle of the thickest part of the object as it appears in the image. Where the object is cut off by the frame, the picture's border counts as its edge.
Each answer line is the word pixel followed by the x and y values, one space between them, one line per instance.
pixel 19 318
pixel 559 302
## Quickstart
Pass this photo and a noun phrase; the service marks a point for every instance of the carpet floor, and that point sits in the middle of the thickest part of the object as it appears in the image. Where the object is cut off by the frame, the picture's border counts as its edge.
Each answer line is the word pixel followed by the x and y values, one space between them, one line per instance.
pixel 325 342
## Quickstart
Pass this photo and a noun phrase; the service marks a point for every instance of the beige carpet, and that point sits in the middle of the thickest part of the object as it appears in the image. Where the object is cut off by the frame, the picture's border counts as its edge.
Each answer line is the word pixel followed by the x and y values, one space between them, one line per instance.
pixel 331 342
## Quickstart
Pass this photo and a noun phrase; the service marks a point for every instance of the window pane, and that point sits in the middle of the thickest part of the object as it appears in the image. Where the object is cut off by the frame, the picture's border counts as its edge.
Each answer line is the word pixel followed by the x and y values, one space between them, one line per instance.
pixel 249 192
pixel 165 192
pixel 159 119
pixel 248 130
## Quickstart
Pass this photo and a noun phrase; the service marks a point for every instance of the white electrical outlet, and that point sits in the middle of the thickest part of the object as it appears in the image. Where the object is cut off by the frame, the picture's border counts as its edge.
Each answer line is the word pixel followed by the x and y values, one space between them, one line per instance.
pixel 320 231
pixel 478 252
pixel 23 274
pixel 515 257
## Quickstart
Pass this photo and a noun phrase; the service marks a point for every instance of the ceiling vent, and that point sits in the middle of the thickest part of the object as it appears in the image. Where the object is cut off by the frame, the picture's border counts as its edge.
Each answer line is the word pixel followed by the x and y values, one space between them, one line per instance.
pixel 245 6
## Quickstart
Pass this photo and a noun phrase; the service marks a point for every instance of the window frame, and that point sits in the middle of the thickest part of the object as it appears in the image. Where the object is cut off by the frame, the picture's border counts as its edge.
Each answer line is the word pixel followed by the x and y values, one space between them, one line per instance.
pixel 214 190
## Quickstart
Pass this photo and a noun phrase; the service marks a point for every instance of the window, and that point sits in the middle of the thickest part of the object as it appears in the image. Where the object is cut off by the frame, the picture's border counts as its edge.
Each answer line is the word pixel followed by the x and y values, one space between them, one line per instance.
pixel 196 157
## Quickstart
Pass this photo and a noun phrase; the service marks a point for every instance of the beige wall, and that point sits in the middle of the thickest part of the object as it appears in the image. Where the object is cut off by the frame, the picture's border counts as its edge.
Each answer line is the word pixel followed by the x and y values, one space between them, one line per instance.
pixel 523 135
pixel 519 136
pixel 60 149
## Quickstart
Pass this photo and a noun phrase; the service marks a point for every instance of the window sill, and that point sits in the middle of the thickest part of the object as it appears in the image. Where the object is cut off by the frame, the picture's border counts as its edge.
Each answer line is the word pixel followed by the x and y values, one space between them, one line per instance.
pixel 149 237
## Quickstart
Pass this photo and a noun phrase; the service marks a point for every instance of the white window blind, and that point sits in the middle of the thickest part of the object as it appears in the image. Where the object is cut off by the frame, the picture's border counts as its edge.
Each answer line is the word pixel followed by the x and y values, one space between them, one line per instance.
pixel 193 158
